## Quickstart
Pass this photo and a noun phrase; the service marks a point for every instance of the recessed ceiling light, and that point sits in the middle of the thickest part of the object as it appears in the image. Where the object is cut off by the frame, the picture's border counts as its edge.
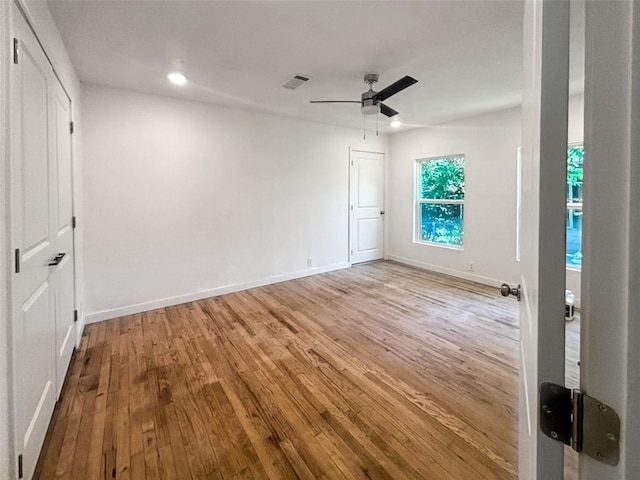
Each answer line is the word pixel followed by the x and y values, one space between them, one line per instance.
pixel 177 78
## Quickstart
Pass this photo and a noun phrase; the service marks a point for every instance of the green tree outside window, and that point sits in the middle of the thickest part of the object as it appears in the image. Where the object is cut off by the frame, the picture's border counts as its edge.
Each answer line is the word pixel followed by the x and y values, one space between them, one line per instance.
pixel 441 200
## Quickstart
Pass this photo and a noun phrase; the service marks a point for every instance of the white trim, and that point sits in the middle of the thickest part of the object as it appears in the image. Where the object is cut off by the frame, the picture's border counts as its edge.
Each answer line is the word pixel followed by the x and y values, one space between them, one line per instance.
pixel 442 201
pixel 491 282
pixel 518 200
pixel 459 248
pixel 6 344
pixel 101 315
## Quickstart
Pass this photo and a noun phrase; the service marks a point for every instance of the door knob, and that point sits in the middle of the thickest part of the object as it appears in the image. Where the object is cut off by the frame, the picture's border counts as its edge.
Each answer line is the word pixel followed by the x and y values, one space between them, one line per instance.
pixel 57 259
pixel 506 290
pixel 381 212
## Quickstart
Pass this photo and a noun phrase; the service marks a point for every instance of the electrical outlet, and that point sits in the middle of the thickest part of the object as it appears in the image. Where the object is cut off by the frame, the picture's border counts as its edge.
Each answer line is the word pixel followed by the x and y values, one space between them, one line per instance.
pixel 309 263
pixel 472 266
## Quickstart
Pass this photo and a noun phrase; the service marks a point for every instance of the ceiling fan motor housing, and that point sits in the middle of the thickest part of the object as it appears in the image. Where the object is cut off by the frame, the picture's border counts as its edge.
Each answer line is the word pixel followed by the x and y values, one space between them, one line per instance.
pixel 371 78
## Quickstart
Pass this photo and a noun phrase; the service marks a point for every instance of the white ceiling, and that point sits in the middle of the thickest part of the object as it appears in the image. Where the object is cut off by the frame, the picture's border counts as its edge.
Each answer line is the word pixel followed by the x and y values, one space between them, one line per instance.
pixel 466 55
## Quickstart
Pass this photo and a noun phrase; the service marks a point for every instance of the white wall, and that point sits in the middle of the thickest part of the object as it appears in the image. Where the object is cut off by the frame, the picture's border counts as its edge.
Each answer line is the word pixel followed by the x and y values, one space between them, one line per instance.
pixel 186 200
pixel 40 17
pixel 490 145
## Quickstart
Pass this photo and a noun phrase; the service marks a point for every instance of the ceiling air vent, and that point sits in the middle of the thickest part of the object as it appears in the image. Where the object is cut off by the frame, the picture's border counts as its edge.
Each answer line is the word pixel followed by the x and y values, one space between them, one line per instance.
pixel 295 81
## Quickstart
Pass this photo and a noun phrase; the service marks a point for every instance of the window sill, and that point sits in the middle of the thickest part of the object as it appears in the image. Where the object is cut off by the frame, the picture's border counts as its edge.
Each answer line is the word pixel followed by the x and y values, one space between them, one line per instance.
pixel 574 268
pixel 440 245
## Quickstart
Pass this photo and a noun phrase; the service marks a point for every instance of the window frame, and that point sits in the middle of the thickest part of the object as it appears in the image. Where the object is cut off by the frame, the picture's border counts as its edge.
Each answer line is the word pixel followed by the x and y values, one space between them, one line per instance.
pixel 419 201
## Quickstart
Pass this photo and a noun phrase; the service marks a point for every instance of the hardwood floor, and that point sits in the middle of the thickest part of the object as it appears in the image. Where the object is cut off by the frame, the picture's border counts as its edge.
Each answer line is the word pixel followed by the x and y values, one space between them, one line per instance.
pixel 380 371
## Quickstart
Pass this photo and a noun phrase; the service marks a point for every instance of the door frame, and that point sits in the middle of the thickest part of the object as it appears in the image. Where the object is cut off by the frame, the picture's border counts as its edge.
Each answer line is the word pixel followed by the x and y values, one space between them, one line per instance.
pixel 6 394
pixel 610 315
pixel 350 192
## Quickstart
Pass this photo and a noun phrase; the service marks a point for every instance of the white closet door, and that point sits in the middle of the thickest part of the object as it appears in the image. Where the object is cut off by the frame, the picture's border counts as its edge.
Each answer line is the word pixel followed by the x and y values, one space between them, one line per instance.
pixel 42 282
pixel 367 206
pixel 63 273
pixel 33 235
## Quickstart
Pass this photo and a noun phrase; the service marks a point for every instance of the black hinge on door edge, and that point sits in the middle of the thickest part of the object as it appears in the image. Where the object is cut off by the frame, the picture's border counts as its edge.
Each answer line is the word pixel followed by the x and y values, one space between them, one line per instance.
pixel 20 472
pixel 580 421
pixel 16 43
pixel 71 127
pixel 73 222
pixel 75 315
pixel 17 260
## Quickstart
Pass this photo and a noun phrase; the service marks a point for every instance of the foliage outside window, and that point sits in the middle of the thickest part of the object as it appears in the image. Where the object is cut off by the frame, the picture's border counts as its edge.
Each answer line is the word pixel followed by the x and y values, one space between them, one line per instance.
pixel 575 158
pixel 440 200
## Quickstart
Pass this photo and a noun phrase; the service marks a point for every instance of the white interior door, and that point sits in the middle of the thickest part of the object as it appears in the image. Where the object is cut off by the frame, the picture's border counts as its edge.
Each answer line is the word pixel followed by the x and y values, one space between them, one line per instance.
pixel 544 151
pixel 367 206
pixel 64 271
pixel 33 236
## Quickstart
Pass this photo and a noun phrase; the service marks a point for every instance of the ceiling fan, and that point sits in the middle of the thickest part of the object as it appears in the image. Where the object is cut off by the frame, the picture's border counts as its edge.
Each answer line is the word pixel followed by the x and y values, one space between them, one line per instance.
pixel 371 101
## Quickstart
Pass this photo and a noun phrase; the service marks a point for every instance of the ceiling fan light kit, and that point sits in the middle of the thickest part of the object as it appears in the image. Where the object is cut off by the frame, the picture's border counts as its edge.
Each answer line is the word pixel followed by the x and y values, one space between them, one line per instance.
pixel 369 108
pixel 371 101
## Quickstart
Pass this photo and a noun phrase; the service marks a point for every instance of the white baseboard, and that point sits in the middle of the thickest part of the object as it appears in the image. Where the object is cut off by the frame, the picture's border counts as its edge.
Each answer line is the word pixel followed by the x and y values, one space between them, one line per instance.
pixel 492 282
pixel 101 315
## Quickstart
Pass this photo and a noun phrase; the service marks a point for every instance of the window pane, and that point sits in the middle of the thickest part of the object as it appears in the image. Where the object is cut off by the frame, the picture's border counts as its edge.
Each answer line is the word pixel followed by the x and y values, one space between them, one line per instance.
pixel 441 223
pixel 575 161
pixel 574 237
pixel 442 178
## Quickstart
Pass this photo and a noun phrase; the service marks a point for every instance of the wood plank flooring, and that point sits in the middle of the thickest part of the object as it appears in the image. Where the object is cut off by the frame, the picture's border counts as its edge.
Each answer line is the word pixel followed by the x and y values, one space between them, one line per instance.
pixel 380 371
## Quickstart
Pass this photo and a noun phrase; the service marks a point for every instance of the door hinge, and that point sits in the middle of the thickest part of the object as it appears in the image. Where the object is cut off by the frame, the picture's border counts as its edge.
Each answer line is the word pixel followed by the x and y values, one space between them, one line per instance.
pixel 20 472
pixel 17 260
pixel 75 315
pixel 73 222
pixel 71 127
pixel 580 421
pixel 16 44
pixel 352 252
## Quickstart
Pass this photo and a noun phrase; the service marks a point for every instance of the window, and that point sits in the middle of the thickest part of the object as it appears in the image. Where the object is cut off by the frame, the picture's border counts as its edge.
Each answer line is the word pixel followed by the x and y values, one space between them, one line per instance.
pixel 440 200
pixel 575 159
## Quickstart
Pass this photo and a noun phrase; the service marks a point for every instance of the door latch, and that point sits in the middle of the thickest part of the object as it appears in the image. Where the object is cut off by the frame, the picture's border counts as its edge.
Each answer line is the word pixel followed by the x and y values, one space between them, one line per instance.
pixel 580 421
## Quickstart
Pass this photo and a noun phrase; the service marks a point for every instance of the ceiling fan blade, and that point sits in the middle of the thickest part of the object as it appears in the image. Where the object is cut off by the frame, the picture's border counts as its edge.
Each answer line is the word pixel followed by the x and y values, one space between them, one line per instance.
pixel 388 111
pixel 335 101
pixel 395 87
